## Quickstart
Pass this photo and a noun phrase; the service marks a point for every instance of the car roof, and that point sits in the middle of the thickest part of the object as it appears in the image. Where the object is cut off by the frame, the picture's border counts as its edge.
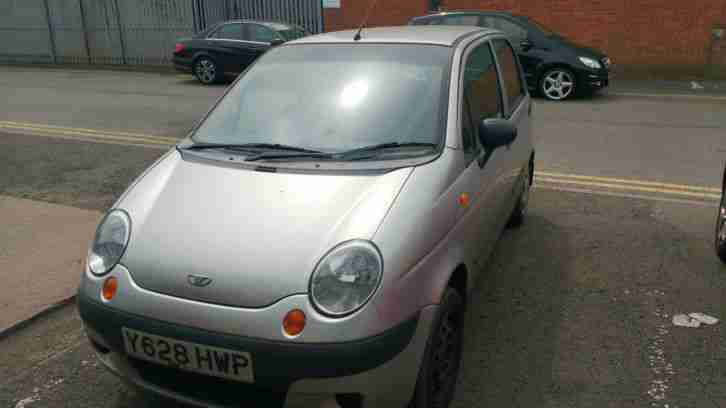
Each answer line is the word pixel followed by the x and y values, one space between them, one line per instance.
pixel 275 25
pixel 433 35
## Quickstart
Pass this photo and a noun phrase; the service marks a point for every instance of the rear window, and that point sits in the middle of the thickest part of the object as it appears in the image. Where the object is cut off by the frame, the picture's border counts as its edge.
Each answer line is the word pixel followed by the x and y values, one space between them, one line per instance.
pixel 292 34
pixel 425 21
pixel 461 20
pixel 457 20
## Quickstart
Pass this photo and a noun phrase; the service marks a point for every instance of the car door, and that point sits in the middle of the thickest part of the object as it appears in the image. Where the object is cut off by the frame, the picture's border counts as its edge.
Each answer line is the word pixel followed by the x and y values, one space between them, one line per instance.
pixel 228 47
pixel 481 98
pixel 518 33
pixel 517 109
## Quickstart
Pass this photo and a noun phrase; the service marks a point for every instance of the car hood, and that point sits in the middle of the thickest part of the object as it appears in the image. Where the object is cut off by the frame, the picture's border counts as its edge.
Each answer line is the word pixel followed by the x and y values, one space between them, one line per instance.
pixel 580 49
pixel 256 235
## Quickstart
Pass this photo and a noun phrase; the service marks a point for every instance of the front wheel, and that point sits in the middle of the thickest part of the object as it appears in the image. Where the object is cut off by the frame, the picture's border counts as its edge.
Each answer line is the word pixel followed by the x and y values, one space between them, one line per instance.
pixel 720 241
pixel 440 367
pixel 558 84
pixel 516 219
pixel 207 71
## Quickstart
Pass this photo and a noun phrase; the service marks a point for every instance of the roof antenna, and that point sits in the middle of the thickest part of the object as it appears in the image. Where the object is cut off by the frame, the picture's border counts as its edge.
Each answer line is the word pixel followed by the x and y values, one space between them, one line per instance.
pixel 365 21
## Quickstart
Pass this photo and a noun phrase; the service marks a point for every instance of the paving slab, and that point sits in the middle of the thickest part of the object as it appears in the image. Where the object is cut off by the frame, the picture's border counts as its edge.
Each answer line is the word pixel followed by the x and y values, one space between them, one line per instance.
pixel 42 248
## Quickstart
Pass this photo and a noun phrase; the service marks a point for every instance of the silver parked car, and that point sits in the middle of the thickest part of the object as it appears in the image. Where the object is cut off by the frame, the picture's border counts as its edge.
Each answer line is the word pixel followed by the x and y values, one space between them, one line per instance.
pixel 721 221
pixel 314 238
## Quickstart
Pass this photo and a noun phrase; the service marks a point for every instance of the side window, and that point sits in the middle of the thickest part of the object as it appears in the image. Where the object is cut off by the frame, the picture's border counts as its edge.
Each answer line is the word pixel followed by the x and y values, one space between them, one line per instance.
pixel 511 74
pixel 461 20
pixel 260 33
pixel 229 32
pixel 514 31
pixel 482 99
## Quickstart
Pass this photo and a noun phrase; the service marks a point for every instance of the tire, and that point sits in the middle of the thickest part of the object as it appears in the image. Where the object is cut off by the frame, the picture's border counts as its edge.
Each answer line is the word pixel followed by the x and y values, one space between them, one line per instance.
pixel 207 71
pixel 439 372
pixel 516 219
pixel 720 234
pixel 558 84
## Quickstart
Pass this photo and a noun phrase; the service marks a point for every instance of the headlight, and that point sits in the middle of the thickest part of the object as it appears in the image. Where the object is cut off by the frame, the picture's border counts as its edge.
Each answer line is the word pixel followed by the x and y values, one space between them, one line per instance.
pixel 346 278
pixel 589 62
pixel 112 237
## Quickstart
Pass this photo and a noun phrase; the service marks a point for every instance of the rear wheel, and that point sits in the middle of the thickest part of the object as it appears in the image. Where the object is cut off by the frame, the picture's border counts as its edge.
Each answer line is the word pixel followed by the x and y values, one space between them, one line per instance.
pixel 721 229
pixel 207 71
pixel 440 367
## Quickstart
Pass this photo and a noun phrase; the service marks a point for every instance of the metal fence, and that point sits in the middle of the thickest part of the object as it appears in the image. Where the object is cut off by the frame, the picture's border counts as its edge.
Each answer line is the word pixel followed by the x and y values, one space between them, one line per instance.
pixel 127 31
pixel 305 13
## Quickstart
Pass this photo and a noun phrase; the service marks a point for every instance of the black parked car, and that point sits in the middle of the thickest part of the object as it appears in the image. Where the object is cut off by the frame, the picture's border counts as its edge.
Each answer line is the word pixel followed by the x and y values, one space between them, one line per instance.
pixel 230 47
pixel 721 221
pixel 556 67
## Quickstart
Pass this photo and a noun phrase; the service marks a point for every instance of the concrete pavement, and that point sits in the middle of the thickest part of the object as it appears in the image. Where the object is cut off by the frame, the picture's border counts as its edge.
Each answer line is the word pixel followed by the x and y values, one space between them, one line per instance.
pixel 42 250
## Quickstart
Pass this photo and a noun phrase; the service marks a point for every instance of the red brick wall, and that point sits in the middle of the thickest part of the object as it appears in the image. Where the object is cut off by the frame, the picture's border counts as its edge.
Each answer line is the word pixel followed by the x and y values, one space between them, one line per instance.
pixel 387 12
pixel 633 32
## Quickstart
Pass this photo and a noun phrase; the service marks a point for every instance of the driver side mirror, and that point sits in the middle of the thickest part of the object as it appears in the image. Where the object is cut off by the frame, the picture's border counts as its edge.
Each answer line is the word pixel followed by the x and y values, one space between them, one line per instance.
pixel 495 133
pixel 526 45
pixel 276 42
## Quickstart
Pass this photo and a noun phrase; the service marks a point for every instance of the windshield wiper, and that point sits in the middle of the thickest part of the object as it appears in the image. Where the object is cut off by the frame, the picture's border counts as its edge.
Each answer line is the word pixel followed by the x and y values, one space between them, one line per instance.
pixel 278 146
pixel 204 146
pixel 383 146
pixel 292 155
pixel 251 146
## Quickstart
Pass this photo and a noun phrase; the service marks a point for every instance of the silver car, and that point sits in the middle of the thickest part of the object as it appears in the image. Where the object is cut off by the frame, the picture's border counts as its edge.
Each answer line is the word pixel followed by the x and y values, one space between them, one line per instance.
pixel 721 221
pixel 312 242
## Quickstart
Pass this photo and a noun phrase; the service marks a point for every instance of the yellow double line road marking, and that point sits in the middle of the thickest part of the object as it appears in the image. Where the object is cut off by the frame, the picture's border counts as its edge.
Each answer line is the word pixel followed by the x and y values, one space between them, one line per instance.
pixel 543 179
pixel 625 187
pixel 88 135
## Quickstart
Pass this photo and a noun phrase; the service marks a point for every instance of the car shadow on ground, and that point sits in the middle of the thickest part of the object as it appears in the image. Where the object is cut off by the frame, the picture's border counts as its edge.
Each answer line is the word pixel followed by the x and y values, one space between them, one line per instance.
pixel 600 97
pixel 192 81
pixel 513 317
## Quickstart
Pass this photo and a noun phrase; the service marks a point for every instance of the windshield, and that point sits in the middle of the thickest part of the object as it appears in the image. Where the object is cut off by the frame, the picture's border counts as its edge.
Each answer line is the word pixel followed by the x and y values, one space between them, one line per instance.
pixel 334 98
pixel 541 27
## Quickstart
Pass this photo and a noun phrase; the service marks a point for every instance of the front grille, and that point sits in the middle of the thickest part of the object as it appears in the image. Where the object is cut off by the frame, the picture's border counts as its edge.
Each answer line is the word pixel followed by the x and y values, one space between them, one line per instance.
pixel 208 389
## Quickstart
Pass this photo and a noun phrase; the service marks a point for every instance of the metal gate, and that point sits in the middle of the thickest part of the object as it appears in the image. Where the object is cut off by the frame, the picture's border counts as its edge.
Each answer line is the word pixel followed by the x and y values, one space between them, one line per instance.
pixel 305 13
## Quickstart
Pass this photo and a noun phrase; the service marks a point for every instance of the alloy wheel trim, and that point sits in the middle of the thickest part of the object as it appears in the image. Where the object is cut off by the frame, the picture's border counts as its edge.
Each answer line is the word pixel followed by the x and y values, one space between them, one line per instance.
pixel 206 70
pixel 558 85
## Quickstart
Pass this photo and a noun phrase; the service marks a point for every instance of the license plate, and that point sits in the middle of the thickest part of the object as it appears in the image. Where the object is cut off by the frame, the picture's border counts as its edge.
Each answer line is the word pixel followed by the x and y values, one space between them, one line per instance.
pixel 183 355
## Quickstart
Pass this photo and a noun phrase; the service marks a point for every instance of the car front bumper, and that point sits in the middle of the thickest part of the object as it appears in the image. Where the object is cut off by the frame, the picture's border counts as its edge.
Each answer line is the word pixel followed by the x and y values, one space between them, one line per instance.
pixel 594 80
pixel 378 371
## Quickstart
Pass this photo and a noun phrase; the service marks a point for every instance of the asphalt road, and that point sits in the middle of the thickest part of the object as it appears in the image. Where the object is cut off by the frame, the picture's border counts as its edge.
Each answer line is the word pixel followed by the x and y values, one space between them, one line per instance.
pixel 667 140
pixel 573 310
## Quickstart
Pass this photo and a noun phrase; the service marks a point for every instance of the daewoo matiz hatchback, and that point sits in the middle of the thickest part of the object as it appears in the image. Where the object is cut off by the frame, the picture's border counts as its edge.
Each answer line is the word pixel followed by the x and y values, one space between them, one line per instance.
pixel 314 238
